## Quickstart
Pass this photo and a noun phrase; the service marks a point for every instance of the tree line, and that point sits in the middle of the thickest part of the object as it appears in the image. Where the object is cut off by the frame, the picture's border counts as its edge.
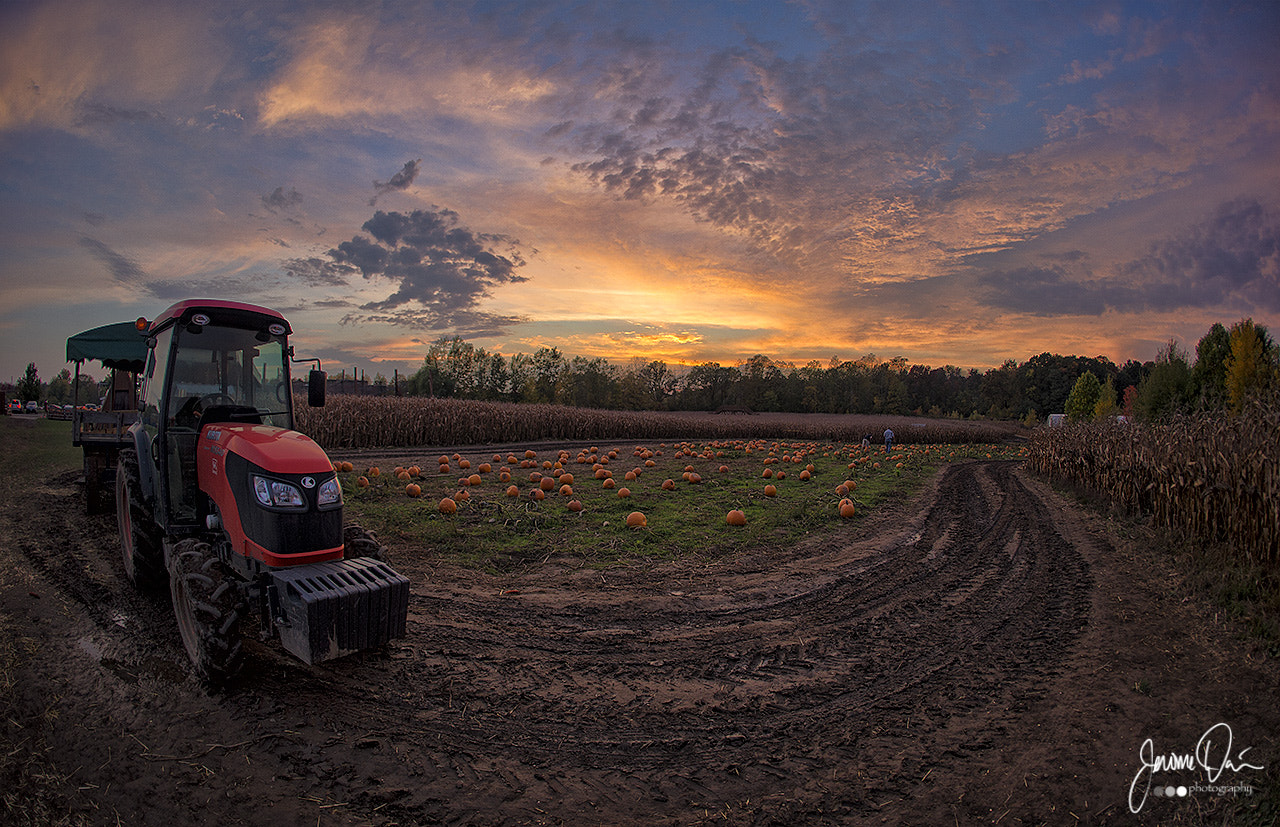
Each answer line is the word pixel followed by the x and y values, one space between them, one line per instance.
pixel 1228 366
pixel 61 390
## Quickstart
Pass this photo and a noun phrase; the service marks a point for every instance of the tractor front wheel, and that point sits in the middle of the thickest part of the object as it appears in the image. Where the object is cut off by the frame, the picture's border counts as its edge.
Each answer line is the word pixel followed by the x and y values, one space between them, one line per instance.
pixel 361 542
pixel 208 606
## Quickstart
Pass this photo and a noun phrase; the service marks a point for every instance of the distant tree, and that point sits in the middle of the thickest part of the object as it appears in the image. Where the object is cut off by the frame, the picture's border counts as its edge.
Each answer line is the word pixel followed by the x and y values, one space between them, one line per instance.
pixel 60 390
pixel 520 374
pixel 495 381
pixel 1083 398
pixel 1129 405
pixel 28 387
pixel 1105 408
pixel 548 370
pixel 1250 367
pixel 1167 390
pixel 590 382
pixel 1210 373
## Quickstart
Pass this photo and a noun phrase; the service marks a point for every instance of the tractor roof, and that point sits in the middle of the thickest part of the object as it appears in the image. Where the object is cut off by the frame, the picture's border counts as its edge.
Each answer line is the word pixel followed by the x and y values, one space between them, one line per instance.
pixel 237 311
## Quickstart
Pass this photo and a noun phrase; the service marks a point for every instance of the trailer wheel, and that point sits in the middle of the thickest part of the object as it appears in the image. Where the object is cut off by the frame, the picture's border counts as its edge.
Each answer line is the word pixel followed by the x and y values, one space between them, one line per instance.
pixel 140 541
pixel 361 542
pixel 95 467
pixel 208 607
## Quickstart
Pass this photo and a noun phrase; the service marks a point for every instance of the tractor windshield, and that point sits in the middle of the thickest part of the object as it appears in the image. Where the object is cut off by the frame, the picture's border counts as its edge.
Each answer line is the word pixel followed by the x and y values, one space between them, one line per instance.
pixel 229 374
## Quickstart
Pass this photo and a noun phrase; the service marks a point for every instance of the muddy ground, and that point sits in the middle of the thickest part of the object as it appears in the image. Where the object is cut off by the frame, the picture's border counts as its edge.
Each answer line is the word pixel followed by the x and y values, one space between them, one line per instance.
pixel 987 652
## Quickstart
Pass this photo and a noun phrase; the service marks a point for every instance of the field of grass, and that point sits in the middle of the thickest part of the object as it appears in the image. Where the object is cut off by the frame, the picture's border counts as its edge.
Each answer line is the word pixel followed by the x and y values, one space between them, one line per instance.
pixel 500 523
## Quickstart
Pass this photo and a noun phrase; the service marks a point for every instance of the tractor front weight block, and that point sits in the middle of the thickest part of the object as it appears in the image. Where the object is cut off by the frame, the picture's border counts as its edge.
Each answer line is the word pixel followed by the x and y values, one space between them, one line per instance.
pixel 328 610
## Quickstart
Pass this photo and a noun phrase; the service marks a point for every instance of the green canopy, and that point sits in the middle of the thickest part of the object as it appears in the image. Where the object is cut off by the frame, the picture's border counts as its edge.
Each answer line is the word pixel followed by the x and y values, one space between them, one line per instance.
pixel 118 346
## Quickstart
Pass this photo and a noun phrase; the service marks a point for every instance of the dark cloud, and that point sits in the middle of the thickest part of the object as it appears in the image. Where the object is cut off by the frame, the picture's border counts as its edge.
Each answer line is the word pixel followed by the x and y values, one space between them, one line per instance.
pixel 280 200
pixel 1052 291
pixel 400 181
pixel 317 272
pixel 469 324
pixel 97 114
pixel 122 268
pixel 1234 255
pixel 443 270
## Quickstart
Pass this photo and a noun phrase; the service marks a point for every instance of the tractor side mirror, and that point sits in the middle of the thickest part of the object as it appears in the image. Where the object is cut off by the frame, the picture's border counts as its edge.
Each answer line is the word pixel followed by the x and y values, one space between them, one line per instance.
pixel 315 388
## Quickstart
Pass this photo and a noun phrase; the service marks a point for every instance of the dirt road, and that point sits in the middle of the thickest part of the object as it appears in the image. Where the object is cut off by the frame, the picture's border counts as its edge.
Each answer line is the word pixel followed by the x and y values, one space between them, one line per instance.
pixel 986 653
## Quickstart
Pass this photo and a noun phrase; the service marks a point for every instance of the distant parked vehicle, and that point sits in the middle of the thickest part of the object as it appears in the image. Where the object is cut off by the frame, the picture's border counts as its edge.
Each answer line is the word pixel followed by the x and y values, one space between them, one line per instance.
pixel 15 406
pixel 33 407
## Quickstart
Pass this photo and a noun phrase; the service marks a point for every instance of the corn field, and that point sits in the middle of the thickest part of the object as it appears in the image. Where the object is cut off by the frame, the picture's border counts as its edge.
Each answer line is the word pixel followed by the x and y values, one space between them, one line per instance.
pixel 1210 477
pixel 402 422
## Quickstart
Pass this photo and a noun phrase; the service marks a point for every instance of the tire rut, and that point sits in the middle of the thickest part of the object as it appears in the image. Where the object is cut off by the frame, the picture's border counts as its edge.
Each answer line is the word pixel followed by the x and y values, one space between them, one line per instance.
pixel 929 633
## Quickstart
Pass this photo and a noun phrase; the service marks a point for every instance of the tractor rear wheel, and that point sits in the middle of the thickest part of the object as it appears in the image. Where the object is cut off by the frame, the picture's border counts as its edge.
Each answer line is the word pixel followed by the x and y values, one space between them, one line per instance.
pixel 140 541
pixel 208 605
pixel 361 542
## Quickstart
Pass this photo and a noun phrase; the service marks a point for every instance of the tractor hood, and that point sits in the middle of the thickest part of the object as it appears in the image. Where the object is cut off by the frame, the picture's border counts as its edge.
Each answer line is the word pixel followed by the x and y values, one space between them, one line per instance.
pixel 272 449
pixel 309 530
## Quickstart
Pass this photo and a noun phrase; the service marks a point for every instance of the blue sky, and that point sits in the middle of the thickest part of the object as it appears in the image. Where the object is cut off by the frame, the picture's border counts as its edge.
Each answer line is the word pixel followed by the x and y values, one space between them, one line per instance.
pixel 956 183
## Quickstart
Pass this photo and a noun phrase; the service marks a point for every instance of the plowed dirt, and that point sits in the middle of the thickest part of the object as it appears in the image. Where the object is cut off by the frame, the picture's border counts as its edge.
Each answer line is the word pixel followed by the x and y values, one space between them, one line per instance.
pixel 983 653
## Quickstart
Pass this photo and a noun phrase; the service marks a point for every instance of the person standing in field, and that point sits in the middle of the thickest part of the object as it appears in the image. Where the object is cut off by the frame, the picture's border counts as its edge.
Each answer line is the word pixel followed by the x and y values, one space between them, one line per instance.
pixel 888 440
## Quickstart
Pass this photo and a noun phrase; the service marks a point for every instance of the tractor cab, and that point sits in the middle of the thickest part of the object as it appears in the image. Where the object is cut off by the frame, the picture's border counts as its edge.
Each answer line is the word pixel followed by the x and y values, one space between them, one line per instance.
pixel 210 362
pixel 207 363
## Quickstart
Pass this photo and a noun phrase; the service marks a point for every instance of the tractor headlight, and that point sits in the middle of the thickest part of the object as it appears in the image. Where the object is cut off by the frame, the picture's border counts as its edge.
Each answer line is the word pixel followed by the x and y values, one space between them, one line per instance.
pixel 330 492
pixel 277 494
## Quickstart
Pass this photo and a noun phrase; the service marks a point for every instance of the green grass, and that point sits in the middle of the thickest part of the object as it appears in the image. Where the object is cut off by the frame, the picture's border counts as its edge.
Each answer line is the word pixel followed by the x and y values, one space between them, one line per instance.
pixel 27 444
pixel 496 532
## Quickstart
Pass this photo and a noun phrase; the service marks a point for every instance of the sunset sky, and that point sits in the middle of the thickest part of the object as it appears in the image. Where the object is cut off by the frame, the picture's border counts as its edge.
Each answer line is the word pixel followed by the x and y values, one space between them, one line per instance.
pixel 956 183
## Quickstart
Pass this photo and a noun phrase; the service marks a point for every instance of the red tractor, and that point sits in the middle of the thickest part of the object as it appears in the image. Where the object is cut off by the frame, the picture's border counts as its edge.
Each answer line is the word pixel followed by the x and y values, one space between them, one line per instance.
pixel 244 514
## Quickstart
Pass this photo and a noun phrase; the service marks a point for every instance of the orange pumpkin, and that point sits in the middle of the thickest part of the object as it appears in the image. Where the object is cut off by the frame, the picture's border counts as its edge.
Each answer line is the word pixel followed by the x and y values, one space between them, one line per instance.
pixel 736 517
pixel 636 520
pixel 413 489
pixel 770 491
pixel 448 506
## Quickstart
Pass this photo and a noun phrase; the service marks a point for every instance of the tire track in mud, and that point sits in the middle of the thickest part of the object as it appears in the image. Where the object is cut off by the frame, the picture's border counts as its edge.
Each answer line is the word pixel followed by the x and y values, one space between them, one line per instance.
pixel 862 664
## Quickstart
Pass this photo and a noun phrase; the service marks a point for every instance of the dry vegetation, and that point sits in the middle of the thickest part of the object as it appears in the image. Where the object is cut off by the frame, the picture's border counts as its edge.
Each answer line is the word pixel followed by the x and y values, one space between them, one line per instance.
pixel 388 422
pixel 1209 478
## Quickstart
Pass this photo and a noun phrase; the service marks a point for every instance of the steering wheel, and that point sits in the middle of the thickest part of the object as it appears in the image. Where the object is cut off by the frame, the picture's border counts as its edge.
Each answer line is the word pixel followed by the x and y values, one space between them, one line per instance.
pixel 210 399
